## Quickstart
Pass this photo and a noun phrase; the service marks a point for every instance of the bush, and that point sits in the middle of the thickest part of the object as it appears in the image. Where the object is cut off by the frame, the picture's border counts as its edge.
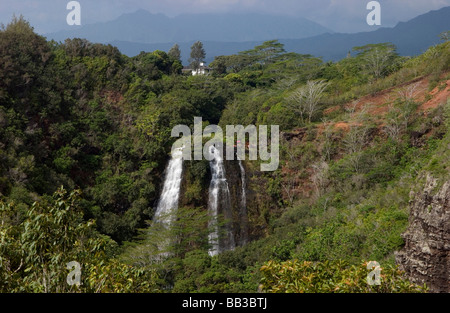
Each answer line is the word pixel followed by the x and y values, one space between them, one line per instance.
pixel 34 253
pixel 331 277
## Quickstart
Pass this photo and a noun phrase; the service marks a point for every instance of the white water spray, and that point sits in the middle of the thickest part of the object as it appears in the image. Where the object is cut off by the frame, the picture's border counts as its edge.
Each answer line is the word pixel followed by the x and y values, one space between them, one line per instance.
pixel 168 202
pixel 219 199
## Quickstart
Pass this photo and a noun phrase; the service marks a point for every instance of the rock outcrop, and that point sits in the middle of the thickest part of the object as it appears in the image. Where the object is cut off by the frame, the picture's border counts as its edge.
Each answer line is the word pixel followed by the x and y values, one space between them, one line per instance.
pixel 426 255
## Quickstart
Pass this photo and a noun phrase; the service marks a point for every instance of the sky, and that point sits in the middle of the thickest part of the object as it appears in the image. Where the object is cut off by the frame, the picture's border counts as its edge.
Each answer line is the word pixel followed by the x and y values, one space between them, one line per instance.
pixel 338 15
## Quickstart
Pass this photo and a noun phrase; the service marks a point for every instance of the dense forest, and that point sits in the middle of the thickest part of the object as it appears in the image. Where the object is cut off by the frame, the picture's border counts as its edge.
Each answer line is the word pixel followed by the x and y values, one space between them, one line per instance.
pixel 85 136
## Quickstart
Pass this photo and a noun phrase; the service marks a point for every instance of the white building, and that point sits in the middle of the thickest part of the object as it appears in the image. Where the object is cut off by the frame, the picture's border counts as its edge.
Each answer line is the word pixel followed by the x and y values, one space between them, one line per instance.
pixel 202 70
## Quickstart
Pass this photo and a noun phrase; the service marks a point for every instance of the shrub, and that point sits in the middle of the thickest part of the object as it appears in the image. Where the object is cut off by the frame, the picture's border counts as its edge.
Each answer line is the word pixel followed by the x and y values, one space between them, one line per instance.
pixel 331 277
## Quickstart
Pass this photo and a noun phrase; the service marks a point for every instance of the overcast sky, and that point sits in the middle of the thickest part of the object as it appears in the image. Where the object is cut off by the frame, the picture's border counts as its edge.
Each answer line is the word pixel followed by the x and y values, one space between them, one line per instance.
pixel 338 15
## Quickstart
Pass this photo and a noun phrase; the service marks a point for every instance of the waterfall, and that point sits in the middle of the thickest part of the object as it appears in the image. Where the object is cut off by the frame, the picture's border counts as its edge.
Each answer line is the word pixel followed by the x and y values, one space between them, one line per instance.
pixel 221 236
pixel 168 201
pixel 243 195
pixel 243 211
pixel 219 202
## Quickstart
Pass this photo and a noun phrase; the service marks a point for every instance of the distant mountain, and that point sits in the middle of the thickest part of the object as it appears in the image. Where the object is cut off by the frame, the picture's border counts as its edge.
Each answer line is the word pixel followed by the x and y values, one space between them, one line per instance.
pixel 145 27
pixel 411 38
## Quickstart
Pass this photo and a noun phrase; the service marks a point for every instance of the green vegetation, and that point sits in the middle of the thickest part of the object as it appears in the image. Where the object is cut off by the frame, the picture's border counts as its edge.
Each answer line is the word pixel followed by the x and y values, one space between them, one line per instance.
pixel 325 277
pixel 51 234
pixel 86 117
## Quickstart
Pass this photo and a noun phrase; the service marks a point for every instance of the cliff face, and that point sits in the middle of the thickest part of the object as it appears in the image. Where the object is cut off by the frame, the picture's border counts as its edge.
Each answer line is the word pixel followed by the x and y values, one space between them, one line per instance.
pixel 238 207
pixel 426 255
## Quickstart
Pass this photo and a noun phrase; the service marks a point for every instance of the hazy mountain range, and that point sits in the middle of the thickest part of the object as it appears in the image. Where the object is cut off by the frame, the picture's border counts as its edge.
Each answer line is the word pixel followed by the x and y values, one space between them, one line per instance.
pixel 225 34
pixel 145 27
pixel 411 38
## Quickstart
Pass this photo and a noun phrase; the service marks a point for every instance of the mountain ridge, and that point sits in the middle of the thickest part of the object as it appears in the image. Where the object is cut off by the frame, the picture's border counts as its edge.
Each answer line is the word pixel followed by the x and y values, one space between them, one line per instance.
pixel 145 27
pixel 411 38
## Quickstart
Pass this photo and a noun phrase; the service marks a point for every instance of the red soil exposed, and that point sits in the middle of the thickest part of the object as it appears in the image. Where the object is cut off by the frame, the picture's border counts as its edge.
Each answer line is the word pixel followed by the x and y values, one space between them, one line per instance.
pixel 378 104
pixel 439 96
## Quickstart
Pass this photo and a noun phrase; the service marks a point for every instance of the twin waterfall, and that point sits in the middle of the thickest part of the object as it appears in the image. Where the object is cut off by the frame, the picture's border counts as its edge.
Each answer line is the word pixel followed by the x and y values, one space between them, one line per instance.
pixel 220 208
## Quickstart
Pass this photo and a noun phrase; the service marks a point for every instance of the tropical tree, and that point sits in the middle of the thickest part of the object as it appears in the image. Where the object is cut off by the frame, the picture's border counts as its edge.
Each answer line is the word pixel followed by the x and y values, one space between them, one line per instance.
pixel 175 52
pixel 377 59
pixel 37 249
pixel 198 55
pixel 305 99
pixel 267 52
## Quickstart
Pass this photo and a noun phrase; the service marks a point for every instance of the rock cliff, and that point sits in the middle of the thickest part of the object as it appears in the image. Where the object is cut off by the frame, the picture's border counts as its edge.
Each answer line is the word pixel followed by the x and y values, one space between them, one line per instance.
pixel 426 255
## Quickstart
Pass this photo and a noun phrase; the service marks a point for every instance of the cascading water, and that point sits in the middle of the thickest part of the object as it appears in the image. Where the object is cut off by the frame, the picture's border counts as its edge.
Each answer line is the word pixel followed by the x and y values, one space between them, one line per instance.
pixel 243 195
pixel 243 211
pixel 221 238
pixel 168 202
pixel 219 202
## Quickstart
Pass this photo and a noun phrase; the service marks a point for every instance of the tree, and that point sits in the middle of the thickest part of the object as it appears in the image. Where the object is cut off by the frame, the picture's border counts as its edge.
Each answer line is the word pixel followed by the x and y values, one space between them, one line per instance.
pixel 23 58
pixel 175 52
pixel 305 99
pixel 198 55
pixel 219 65
pixel 231 63
pixel 377 58
pixel 267 52
pixel 445 36
pixel 34 253
pixel 400 112
pixel 188 231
